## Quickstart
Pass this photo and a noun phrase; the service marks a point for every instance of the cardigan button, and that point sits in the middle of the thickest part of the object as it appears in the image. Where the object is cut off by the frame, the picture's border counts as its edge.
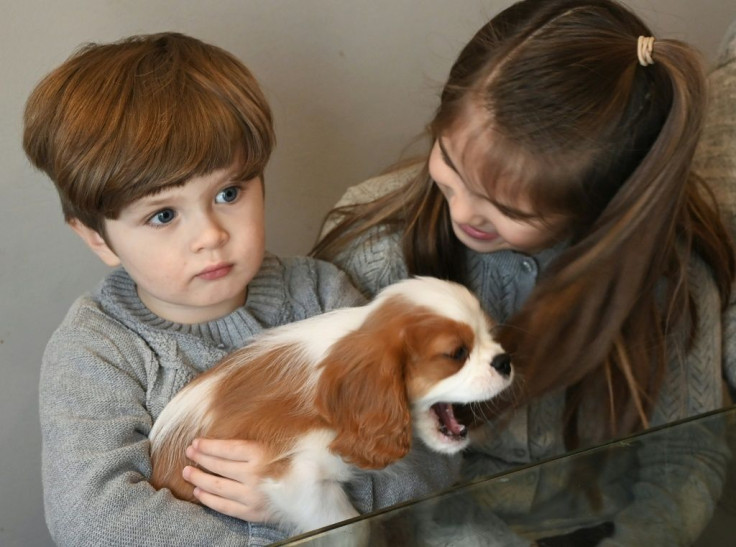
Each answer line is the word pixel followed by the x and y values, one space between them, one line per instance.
pixel 528 265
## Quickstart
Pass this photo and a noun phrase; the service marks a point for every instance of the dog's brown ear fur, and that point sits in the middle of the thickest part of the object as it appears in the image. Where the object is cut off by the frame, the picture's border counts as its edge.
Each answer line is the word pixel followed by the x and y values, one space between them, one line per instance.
pixel 362 394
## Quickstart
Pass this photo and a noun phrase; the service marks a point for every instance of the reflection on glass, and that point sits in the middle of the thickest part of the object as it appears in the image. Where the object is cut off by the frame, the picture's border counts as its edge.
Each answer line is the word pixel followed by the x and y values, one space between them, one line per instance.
pixel 672 485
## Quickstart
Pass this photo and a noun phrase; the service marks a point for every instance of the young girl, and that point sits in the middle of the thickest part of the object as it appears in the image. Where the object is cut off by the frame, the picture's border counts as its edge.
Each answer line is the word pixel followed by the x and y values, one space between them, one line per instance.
pixel 559 188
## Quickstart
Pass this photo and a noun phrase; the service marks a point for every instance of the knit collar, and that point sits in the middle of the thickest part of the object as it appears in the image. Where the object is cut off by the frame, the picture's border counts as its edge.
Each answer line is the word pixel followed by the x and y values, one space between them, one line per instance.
pixel 264 303
pixel 507 256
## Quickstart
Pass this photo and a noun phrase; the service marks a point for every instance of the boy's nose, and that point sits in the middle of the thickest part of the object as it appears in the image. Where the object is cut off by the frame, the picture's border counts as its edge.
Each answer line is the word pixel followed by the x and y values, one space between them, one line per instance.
pixel 209 234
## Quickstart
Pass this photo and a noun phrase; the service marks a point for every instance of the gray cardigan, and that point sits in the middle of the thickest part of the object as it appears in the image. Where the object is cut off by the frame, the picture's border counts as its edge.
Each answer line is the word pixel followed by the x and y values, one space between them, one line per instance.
pixel 112 366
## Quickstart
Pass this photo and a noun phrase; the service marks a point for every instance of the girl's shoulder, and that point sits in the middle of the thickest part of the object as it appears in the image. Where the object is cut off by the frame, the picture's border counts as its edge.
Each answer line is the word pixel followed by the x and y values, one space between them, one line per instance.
pixel 309 286
pixel 380 185
pixel 374 261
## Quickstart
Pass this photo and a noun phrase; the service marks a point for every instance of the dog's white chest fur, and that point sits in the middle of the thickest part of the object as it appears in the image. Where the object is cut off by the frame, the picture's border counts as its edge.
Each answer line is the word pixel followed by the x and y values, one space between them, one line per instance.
pixel 294 498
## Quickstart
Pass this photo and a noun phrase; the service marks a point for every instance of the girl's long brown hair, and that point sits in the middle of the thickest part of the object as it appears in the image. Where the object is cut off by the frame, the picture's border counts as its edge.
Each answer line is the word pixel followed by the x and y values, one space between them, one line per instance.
pixel 571 120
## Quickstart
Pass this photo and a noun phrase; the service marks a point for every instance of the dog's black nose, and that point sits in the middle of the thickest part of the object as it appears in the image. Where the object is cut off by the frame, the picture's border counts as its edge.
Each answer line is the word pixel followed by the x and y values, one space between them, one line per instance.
pixel 502 363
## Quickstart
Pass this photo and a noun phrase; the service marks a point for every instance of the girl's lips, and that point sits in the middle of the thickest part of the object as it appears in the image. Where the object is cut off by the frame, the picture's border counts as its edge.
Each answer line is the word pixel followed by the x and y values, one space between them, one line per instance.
pixel 477 234
pixel 215 272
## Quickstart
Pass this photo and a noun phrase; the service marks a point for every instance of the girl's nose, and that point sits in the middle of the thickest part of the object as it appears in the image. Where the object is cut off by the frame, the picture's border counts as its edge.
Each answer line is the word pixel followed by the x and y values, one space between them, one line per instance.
pixel 461 209
pixel 209 233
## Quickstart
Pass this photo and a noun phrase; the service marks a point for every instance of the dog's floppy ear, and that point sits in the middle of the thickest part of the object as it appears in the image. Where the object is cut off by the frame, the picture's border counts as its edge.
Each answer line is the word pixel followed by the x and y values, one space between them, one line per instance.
pixel 362 395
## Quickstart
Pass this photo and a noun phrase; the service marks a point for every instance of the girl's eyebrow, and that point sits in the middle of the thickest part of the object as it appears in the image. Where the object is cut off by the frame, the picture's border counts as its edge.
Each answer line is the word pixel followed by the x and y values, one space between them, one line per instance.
pixel 446 156
pixel 505 209
pixel 512 212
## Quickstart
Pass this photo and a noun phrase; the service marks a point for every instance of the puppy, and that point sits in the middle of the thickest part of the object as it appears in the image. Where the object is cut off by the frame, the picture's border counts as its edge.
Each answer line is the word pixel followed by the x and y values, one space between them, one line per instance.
pixel 347 388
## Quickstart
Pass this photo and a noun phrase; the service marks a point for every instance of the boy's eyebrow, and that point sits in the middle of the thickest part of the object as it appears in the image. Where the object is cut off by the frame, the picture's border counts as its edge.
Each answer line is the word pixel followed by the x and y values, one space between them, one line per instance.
pixel 153 200
pixel 446 156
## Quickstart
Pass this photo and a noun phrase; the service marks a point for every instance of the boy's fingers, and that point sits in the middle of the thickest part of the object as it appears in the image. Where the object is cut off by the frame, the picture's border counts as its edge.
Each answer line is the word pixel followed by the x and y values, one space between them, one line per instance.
pixel 214 484
pixel 226 496
pixel 231 449
pixel 232 469
pixel 232 508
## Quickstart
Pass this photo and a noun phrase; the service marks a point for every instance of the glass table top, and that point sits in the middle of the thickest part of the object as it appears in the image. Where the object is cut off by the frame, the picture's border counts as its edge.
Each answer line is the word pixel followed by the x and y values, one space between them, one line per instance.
pixel 673 485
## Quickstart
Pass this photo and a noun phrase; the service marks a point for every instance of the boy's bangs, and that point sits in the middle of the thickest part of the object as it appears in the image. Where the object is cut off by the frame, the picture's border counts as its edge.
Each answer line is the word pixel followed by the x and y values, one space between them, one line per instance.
pixel 197 137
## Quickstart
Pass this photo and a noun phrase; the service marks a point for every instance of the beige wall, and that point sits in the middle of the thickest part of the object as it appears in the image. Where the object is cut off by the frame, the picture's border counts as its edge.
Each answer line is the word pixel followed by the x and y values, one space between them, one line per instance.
pixel 351 83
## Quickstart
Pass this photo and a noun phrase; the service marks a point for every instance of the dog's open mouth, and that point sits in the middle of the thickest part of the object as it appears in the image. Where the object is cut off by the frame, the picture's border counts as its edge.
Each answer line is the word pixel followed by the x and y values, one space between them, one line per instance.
pixel 448 424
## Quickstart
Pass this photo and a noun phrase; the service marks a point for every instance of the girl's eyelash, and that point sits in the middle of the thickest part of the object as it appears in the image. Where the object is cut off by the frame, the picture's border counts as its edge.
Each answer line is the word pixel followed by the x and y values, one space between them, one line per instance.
pixel 513 213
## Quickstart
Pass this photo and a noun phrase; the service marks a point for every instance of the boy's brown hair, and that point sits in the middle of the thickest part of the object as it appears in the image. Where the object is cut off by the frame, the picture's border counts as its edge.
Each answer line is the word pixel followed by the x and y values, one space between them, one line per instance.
pixel 120 121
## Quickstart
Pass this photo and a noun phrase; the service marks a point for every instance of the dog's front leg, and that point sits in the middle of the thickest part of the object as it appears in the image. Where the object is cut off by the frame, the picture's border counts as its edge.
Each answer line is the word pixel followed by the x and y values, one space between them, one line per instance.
pixel 305 504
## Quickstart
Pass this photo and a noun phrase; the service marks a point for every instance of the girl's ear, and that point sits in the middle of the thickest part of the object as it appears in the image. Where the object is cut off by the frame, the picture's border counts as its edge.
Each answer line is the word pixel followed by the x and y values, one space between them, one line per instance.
pixel 95 242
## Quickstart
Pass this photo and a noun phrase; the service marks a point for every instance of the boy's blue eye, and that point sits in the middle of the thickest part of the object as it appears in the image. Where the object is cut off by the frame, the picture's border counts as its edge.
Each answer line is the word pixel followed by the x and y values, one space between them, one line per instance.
pixel 164 216
pixel 228 195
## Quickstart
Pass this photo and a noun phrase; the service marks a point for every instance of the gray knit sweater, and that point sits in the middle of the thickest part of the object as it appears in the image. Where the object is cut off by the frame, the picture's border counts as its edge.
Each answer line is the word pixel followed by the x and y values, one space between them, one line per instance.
pixel 638 490
pixel 112 366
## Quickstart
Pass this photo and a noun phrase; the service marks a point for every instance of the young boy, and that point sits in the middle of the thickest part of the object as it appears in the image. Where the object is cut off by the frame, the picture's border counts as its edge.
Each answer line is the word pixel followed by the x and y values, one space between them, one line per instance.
pixel 157 146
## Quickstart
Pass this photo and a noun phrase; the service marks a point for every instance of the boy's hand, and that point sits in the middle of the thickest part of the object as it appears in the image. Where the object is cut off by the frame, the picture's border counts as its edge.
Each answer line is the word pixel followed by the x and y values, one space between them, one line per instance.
pixel 232 489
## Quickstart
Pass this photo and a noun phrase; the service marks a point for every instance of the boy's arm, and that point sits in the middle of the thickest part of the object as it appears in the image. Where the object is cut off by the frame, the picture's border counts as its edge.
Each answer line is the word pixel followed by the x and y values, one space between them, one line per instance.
pixel 96 461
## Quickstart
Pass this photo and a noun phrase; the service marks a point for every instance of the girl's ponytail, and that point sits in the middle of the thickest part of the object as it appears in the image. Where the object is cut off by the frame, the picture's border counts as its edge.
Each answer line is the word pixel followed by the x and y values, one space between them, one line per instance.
pixel 604 314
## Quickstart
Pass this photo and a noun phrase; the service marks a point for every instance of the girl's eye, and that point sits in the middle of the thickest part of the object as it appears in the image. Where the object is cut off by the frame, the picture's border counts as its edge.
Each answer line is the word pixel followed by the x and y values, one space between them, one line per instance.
pixel 515 214
pixel 228 195
pixel 164 216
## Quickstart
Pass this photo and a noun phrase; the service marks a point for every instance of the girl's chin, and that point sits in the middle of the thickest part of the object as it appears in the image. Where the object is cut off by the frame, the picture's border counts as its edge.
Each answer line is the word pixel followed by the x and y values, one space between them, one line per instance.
pixel 484 246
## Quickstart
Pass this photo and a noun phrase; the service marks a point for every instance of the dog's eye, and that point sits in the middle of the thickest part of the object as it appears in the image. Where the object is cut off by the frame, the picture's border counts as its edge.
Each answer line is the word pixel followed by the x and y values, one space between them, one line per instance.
pixel 459 354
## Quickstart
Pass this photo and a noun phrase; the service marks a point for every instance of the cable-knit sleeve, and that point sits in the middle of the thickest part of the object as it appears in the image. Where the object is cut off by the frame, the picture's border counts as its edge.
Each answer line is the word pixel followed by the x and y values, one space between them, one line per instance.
pixel 715 162
pixel 96 379
pixel 681 474
pixel 374 260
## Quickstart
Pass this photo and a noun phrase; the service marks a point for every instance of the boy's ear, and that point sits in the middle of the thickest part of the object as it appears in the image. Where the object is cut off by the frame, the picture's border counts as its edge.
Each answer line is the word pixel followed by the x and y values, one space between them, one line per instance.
pixel 95 242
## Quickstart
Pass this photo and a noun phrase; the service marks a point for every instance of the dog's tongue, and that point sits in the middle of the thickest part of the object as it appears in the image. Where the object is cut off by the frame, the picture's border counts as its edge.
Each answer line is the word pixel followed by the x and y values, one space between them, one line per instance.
pixel 447 417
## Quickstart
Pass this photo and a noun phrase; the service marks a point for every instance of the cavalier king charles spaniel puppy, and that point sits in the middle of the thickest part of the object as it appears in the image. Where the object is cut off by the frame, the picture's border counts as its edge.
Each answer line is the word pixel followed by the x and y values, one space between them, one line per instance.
pixel 343 389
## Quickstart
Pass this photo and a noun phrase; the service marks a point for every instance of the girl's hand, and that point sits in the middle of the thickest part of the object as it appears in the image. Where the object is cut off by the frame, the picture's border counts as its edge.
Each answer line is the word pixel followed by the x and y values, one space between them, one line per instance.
pixel 228 482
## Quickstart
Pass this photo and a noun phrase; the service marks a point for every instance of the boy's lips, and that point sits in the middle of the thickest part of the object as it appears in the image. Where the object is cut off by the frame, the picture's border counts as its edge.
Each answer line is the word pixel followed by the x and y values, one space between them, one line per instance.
pixel 215 272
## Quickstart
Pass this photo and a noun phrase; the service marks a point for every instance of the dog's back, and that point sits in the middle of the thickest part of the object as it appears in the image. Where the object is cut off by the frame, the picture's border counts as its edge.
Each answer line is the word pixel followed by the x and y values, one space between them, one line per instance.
pixel 246 396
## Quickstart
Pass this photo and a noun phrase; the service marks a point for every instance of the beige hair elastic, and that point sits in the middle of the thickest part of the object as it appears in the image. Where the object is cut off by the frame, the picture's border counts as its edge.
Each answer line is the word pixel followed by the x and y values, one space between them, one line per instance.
pixel 644 50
